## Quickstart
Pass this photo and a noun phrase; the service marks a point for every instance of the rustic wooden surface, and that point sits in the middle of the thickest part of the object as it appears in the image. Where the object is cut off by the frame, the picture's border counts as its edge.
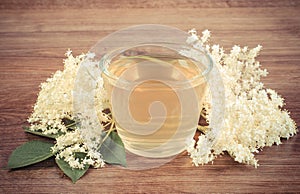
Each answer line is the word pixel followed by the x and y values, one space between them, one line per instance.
pixel 34 36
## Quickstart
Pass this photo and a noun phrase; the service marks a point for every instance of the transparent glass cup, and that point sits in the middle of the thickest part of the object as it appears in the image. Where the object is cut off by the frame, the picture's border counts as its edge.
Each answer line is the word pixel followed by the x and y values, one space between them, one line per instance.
pixel 156 92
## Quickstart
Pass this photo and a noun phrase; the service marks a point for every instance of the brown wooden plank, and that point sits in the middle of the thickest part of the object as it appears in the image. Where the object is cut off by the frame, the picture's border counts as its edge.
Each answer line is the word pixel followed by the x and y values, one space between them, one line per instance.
pixel 131 4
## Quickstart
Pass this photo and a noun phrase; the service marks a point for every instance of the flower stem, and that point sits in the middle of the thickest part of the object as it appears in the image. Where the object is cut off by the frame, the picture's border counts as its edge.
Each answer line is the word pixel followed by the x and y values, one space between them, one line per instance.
pixel 203 129
pixel 72 124
pixel 108 132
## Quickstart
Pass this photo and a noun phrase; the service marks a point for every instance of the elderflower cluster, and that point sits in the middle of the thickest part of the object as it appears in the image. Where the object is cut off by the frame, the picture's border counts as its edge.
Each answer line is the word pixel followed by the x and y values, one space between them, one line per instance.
pixel 54 102
pixel 67 146
pixel 55 105
pixel 253 116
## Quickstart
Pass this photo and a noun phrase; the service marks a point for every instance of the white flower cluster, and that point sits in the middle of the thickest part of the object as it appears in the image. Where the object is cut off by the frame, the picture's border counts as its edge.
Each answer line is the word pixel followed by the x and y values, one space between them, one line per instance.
pixel 253 116
pixel 70 144
pixel 55 104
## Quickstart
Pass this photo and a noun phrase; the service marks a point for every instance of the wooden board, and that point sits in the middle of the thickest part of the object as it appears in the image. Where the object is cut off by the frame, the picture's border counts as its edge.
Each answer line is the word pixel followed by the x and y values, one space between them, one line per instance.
pixel 34 36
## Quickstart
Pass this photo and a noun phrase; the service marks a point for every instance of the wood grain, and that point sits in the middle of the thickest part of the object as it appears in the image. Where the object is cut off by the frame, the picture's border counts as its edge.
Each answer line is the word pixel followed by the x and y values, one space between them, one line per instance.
pixel 35 35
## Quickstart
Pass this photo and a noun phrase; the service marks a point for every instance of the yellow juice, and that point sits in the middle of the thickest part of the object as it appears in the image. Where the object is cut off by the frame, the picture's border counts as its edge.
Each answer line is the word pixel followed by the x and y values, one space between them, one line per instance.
pixel 158 106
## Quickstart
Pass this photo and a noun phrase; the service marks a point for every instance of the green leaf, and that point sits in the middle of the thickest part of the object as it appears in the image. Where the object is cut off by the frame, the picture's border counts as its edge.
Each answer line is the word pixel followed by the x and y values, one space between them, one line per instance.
pixel 30 153
pixel 73 173
pixel 80 155
pixel 52 136
pixel 113 151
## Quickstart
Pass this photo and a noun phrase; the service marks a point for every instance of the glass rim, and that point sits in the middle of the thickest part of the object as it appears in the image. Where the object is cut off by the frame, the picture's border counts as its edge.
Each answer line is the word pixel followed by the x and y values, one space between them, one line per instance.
pixel 106 59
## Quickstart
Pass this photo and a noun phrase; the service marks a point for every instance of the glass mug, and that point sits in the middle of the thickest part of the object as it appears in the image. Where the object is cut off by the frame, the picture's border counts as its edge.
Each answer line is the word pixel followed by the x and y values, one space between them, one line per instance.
pixel 156 92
